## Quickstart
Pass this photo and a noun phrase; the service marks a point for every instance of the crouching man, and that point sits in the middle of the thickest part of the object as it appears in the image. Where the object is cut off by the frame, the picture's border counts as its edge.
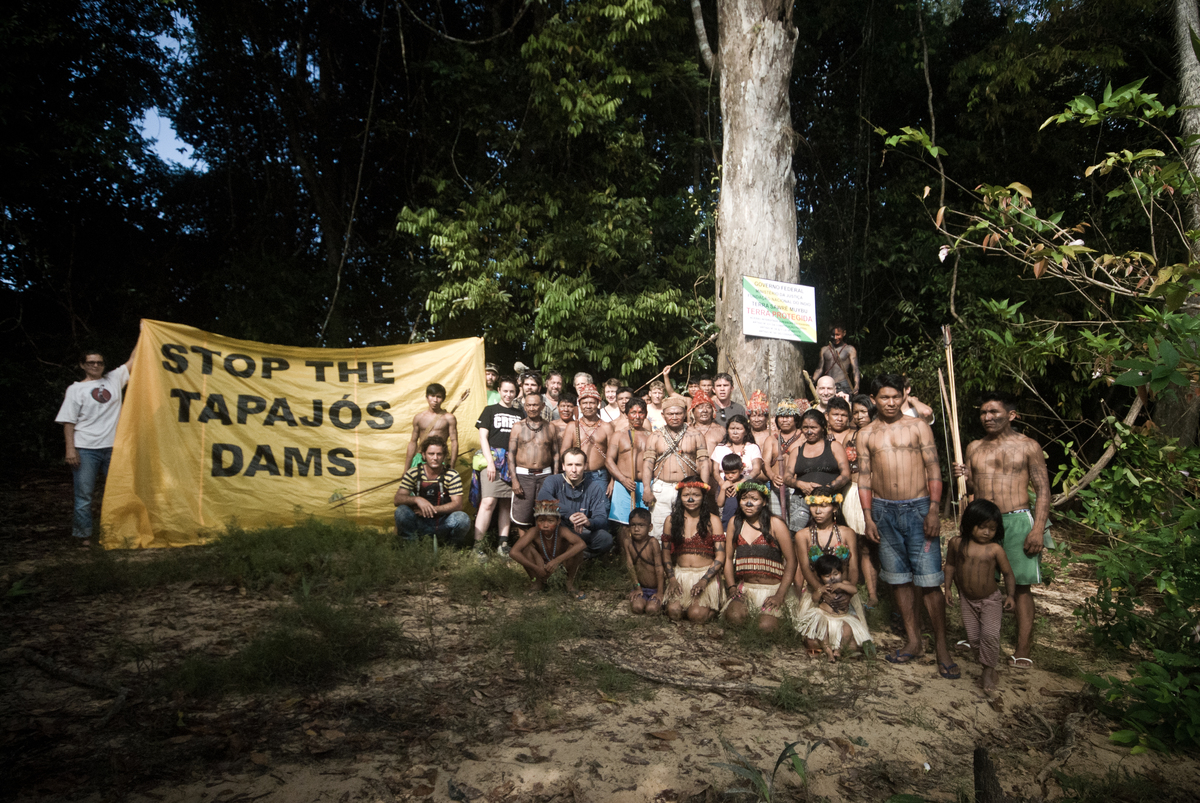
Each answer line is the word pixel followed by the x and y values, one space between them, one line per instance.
pixel 430 498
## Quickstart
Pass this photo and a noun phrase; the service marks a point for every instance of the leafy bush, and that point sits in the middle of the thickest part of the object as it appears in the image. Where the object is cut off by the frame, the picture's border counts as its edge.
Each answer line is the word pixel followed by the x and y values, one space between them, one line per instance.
pixel 1161 707
pixel 1145 506
pixel 1148 569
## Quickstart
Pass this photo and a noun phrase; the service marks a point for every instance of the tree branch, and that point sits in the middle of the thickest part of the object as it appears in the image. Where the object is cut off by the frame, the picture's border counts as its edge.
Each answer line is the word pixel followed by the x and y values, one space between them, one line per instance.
pixel 1100 465
pixel 702 36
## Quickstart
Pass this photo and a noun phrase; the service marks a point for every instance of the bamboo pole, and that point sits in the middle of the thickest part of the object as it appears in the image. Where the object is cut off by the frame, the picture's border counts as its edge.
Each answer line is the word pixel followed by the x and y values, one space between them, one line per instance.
pixel 958 454
pixel 946 414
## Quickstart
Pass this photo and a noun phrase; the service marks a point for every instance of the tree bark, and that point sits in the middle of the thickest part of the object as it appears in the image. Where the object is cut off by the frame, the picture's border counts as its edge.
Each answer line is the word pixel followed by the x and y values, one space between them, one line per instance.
pixel 1178 417
pixel 756 216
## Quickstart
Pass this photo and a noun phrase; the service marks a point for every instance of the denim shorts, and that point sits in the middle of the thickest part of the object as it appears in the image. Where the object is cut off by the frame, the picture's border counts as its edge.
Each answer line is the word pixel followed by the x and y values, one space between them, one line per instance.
pixel 905 554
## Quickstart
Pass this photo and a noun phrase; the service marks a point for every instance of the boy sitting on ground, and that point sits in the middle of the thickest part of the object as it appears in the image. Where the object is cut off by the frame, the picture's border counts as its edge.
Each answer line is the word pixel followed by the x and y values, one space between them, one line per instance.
pixel 643 559
pixel 547 545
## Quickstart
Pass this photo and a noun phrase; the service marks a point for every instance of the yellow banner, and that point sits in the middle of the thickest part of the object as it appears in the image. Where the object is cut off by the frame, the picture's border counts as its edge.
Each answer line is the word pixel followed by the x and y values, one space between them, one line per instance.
pixel 215 429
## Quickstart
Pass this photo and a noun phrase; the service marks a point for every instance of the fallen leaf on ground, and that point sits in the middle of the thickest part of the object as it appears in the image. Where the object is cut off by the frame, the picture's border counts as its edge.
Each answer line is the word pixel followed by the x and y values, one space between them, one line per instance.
pixel 666 736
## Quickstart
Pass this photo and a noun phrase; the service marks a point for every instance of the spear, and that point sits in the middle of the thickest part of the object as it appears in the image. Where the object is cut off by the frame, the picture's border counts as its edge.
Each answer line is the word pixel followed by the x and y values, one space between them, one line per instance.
pixel 702 344
pixel 958 455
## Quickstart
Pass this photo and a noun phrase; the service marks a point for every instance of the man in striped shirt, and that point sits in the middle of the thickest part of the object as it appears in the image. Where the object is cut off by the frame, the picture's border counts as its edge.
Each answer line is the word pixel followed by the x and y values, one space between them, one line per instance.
pixel 430 498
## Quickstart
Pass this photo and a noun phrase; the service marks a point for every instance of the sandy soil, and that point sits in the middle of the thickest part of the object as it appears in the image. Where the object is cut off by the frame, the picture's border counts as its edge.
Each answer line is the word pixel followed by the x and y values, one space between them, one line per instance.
pixel 462 723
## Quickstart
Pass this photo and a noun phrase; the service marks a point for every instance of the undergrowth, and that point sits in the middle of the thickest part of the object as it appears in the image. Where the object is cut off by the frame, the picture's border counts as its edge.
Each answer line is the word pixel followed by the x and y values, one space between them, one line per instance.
pixel 310 644
pixel 334 559
pixel 535 634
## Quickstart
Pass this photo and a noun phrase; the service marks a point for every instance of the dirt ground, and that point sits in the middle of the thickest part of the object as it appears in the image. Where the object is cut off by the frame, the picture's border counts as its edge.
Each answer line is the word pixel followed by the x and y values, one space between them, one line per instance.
pixel 462 724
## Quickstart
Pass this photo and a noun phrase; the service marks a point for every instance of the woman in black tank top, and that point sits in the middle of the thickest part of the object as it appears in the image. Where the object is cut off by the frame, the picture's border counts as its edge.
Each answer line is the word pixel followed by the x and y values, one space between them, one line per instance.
pixel 820 461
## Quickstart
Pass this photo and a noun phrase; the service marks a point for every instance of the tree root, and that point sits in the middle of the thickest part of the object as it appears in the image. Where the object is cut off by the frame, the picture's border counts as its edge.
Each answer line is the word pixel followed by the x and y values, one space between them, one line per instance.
pixel 1072 725
pixel 78 678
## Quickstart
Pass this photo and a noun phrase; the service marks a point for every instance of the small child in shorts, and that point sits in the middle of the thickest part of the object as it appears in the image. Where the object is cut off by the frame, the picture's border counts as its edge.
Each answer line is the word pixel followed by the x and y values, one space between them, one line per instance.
pixel 643 558
pixel 731 474
pixel 972 560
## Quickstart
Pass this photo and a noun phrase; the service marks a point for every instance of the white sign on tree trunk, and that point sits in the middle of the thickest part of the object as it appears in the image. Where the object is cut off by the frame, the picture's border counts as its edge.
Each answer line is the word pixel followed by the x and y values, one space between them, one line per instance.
pixel 778 310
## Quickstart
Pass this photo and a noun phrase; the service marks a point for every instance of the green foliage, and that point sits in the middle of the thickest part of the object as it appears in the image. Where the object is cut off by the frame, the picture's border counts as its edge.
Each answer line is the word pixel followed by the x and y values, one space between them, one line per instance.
pixel 761 785
pixel 1144 507
pixel 469 581
pixel 1118 785
pixel 1148 584
pixel 1160 703
pixel 606 677
pixel 794 694
pixel 593 253
pixel 313 644
pixel 752 638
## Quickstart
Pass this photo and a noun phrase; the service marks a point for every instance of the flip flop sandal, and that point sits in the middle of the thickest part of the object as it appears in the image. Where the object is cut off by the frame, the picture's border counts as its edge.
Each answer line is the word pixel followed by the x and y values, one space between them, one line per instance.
pixel 949 671
pixel 896 657
pixel 1020 663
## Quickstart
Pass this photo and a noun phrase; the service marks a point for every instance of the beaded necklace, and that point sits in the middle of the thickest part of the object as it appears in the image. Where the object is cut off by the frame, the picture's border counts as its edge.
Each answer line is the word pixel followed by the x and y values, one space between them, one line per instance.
pixel 542 544
pixel 815 550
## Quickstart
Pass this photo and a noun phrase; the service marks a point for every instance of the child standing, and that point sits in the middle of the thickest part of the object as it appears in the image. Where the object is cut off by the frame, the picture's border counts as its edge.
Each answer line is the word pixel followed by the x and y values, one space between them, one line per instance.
pixel 972 560
pixel 731 474
pixel 643 558
pixel 838 621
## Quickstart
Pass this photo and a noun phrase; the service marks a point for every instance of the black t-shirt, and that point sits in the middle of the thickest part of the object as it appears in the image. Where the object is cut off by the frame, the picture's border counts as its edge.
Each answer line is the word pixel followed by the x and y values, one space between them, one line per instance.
pixel 498 420
pixel 723 414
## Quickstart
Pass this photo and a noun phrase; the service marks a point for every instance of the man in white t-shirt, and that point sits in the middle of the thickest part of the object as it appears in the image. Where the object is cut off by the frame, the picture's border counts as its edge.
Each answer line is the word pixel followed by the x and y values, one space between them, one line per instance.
pixel 89 415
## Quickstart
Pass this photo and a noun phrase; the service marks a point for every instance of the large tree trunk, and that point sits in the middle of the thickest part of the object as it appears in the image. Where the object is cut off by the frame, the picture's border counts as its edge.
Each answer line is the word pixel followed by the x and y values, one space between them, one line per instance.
pixel 756 218
pixel 1178 417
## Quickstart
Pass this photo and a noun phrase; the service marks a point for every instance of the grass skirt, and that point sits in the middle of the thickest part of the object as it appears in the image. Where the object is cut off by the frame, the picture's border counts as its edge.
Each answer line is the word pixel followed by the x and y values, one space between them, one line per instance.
pixel 812 622
pixel 755 594
pixel 688 577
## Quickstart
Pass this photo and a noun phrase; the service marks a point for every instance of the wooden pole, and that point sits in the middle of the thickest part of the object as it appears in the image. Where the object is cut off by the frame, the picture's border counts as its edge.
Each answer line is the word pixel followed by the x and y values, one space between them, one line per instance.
pixel 946 416
pixel 958 454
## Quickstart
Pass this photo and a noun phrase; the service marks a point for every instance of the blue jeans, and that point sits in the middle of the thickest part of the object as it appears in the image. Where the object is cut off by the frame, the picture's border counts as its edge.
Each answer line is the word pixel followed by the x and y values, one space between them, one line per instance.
pixel 91 463
pixel 598 542
pixel 905 554
pixel 451 527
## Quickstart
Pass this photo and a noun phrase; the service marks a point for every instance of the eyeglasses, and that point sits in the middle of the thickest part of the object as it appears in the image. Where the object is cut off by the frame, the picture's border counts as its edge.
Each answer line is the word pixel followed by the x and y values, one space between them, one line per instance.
pixel 94 362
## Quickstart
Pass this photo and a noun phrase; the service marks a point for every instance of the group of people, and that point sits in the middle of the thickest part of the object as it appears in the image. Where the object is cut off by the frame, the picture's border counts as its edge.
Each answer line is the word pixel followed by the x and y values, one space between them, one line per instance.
pixel 739 511
pixel 719 508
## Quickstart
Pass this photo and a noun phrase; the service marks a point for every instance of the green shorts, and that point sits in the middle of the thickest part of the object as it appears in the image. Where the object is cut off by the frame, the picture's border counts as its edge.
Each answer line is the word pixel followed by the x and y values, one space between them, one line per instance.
pixel 1017 525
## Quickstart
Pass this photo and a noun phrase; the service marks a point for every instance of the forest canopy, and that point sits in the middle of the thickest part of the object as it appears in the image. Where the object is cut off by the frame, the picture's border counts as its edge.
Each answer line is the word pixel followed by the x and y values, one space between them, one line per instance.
pixel 543 174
